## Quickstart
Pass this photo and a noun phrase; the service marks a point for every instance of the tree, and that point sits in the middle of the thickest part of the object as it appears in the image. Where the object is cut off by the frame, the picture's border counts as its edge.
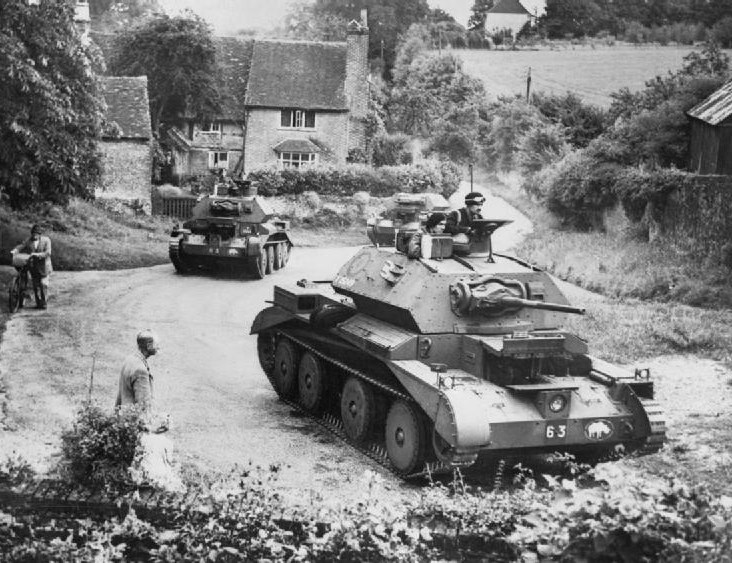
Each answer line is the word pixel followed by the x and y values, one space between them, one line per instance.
pixel 50 107
pixel 178 57
pixel 110 16
pixel 304 22
pixel 571 17
pixel 479 9
pixel 387 20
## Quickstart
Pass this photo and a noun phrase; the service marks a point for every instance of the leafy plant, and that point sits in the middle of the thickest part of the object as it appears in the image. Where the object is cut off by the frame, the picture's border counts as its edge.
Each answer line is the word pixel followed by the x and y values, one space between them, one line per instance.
pixel 50 105
pixel 100 447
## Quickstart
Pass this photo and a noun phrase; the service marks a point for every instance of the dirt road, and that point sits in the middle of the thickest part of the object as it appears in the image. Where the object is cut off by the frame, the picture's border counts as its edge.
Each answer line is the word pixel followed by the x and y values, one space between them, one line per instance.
pixel 207 376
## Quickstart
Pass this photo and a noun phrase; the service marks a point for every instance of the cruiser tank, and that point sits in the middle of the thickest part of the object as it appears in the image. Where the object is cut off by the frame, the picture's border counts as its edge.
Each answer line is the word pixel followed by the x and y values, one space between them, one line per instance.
pixel 448 359
pixel 238 231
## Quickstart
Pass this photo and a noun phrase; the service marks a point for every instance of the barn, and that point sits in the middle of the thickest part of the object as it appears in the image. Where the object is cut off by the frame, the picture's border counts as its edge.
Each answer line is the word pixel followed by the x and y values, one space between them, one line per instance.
pixel 711 133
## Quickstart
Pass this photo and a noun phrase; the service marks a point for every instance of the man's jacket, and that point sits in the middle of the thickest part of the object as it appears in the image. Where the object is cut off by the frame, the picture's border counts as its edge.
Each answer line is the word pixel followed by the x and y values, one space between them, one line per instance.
pixel 458 221
pixel 135 383
pixel 43 248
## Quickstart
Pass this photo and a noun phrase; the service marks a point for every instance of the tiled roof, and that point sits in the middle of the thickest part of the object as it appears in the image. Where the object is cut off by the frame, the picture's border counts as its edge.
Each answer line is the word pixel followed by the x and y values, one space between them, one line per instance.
pixel 128 105
pixel 298 74
pixel 296 145
pixel 716 108
pixel 234 57
pixel 508 7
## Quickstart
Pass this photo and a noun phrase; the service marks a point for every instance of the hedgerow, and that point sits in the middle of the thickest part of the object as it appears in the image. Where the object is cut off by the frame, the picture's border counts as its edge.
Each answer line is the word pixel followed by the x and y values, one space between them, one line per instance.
pixel 430 176
pixel 610 514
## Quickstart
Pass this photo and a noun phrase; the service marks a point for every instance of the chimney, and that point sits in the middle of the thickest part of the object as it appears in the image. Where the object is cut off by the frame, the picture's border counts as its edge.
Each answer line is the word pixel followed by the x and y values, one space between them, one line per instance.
pixel 357 83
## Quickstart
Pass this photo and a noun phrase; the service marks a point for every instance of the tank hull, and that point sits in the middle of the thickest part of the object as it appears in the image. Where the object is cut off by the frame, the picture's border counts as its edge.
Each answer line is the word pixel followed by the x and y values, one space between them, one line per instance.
pixel 454 397
pixel 231 234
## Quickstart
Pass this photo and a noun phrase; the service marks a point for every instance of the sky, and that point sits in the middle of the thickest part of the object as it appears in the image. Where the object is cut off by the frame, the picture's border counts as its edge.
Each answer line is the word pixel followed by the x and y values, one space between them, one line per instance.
pixel 229 16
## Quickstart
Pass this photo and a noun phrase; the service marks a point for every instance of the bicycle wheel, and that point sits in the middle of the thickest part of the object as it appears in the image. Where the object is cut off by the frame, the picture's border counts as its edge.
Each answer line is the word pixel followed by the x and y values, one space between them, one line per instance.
pixel 15 295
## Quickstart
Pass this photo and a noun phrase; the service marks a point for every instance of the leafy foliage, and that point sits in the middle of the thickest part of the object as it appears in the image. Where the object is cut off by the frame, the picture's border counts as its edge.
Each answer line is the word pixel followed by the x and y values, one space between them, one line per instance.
pixel 387 21
pixel 582 122
pixel 179 59
pixel 101 446
pixel 510 119
pixel 50 106
pixel 429 176
pixel 392 150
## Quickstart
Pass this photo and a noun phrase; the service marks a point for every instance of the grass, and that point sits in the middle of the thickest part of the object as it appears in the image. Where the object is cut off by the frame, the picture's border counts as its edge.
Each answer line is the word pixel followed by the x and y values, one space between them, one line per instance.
pixel 602 70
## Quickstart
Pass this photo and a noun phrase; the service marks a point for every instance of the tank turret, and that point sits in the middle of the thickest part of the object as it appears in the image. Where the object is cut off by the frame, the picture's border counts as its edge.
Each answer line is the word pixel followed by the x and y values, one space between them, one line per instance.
pixel 451 357
pixel 405 213
pixel 237 231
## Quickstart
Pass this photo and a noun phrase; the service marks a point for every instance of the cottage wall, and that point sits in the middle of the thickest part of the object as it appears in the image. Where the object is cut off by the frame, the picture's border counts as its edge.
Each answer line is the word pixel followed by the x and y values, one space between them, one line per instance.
pixel 127 169
pixel 264 132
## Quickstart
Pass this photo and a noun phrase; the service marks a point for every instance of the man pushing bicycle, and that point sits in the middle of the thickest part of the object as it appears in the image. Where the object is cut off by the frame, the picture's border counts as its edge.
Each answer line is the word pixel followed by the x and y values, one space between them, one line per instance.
pixel 40 267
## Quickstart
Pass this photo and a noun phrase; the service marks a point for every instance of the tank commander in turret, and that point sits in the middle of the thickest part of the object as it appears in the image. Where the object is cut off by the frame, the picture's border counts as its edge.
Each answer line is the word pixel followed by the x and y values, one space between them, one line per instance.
pixel 435 225
pixel 459 220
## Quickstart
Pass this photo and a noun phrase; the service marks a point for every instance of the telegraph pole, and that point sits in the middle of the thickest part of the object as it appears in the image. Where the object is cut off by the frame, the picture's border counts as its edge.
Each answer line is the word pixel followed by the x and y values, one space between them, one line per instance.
pixel 528 86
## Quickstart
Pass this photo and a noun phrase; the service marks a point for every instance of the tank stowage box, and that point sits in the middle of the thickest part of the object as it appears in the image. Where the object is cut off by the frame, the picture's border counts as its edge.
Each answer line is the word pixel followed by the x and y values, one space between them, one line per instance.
pixel 235 232
pixel 452 359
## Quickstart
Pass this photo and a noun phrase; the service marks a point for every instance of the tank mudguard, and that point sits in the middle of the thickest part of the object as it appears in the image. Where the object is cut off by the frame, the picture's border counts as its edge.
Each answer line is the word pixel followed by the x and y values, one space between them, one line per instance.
pixel 268 318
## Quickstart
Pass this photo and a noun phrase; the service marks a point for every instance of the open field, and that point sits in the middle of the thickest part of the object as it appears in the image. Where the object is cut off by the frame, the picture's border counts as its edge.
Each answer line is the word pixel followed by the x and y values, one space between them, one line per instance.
pixel 593 74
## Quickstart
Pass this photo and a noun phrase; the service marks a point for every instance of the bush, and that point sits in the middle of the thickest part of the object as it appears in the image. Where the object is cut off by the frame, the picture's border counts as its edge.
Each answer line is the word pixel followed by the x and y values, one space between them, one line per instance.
pixel 578 189
pixel 583 122
pixel 392 149
pixel 100 447
pixel 510 119
pixel 540 146
pixel 441 177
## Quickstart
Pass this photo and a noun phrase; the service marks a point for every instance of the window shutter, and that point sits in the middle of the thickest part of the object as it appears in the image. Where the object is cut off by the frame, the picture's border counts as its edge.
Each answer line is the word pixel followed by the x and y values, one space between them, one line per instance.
pixel 285 118
pixel 211 159
pixel 310 119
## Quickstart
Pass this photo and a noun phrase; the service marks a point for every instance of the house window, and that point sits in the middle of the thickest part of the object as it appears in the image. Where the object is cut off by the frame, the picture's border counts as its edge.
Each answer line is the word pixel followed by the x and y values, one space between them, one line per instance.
pixel 218 159
pixel 211 127
pixel 296 159
pixel 297 119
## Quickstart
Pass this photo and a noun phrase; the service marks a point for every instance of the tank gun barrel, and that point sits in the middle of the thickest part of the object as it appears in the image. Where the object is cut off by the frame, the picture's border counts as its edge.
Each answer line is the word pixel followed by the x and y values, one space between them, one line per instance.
pixel 506 301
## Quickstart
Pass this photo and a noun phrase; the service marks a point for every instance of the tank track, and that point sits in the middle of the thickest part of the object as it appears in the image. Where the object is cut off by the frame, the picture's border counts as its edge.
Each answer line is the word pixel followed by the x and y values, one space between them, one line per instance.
pixel 657 419
pixel 174 254
pixel 332 423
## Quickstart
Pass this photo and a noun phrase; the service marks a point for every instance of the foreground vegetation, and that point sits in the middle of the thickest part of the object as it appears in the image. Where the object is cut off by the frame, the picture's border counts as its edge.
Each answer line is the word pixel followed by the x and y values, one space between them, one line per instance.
pixel 567 513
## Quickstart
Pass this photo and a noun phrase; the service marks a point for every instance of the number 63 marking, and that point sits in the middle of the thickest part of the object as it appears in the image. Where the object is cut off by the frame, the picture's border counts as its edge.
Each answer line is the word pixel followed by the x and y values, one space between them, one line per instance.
pixel 556 431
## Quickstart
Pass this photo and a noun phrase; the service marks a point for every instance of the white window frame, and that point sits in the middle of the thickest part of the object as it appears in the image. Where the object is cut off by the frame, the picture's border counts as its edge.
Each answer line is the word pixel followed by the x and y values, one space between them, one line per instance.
pixel 216 162
pixel 211 127
pixel 298 119
pixel 297 159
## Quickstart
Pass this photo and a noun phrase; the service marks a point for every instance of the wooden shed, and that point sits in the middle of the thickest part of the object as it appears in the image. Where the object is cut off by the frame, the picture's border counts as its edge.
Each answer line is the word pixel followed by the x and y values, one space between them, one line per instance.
pixel 711 133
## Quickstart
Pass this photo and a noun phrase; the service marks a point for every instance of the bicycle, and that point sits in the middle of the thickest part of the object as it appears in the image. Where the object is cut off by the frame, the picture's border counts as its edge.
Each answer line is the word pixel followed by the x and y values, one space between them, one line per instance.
pixel 18 287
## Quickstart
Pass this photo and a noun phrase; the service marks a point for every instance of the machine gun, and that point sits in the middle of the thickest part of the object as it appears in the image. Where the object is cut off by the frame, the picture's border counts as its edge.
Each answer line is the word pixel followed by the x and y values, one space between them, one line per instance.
pixel 493 297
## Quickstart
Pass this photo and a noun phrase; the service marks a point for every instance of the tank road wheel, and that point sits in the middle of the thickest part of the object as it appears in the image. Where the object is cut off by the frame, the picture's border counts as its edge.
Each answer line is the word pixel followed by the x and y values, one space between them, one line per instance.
pixel 284 374
pixel 270 258
pixel 311 382
pixel 15 295
pixel 405 437
pixel 279 261
pixel 357 409
pixel 266 352
pixel 258 264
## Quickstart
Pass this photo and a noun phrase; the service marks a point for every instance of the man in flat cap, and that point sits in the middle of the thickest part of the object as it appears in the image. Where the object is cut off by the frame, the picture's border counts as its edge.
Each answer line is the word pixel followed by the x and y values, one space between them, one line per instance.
pixel 39 248
pixel 459 221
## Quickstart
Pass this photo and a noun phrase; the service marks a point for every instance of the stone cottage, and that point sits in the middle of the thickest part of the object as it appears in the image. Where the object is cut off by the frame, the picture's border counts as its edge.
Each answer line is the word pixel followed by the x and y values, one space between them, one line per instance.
pixel 126 140
pixel 285 104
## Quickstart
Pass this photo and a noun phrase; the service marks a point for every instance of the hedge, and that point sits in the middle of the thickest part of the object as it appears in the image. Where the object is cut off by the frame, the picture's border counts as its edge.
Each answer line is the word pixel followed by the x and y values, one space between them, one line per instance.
pixel 441 177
